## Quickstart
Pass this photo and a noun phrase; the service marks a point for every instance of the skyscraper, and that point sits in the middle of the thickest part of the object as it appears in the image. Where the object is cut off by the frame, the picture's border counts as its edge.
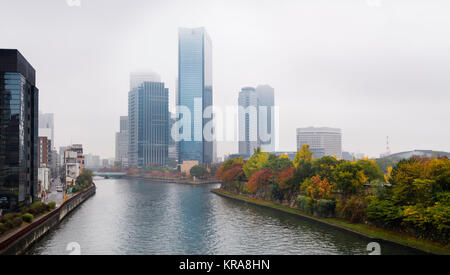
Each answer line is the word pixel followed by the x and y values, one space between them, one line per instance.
pixel 266 124
pixel 148 128
pixel 195 91
pixel 256 119
pixel 322 141
pixel 122 142
pixel 248 121
pixel 18 130
pixel 47 127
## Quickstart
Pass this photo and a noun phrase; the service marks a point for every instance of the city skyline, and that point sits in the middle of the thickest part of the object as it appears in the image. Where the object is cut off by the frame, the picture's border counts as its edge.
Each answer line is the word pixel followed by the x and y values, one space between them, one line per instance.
pixel 366 97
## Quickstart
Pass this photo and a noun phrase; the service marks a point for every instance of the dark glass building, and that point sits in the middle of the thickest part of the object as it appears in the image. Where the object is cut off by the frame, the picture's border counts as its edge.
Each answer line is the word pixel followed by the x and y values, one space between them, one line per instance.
pixel 18 130
pixel 148 116
pixel 195 91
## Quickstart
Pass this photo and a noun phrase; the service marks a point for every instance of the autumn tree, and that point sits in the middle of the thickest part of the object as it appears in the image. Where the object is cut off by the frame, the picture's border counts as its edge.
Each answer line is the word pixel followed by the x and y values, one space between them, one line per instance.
pixel 303 154
pixel 255 163
pixel 260 179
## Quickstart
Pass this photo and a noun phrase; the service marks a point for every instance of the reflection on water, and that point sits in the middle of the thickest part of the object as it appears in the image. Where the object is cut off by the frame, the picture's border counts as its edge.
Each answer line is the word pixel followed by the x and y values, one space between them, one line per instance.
pixel 139 217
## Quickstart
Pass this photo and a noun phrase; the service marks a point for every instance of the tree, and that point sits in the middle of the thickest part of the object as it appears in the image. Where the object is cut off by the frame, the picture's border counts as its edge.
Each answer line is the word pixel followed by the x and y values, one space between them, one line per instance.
pixel 199 171
pixel 371 170
pixel 325 166
pixel 227 165
pixel 260 178
pixel 303 154
pixel 277 164
pixel 286 178
pixel 85 177
pixel 349 178
pixel 255 163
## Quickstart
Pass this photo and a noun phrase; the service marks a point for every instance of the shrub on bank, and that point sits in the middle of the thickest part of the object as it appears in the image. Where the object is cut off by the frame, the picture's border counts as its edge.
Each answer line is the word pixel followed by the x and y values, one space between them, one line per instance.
pixel 321 208
pixel 27 218
pixel 3 228
pixel 51 205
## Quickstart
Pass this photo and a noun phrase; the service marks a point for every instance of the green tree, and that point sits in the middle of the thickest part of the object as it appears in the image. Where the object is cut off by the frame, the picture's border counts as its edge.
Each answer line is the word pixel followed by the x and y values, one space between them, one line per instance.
pixel 255 163
pixel 303 154
pixel 371 170
pixel 277 164
pixel 199 171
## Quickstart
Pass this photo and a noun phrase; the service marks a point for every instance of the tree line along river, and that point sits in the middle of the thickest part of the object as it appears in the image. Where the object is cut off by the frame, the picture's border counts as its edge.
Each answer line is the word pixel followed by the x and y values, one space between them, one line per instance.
pixel 140 217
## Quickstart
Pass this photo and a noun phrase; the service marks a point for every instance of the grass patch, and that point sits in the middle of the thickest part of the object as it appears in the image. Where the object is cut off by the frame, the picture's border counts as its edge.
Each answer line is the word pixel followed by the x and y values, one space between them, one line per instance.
pixel 361 229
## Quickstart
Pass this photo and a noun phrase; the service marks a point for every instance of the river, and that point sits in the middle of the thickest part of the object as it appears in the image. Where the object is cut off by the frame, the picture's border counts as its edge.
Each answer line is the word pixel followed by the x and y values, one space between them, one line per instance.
pixel 139 217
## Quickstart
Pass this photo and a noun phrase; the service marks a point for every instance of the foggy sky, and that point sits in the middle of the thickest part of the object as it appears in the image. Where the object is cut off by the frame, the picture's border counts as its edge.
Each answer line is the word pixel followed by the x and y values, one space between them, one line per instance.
pixel 373 68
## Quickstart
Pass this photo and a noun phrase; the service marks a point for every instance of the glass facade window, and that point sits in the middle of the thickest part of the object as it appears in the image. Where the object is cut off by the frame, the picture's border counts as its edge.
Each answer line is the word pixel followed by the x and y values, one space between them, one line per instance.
pixel 195 91
pixel 148 128
pixel 18 131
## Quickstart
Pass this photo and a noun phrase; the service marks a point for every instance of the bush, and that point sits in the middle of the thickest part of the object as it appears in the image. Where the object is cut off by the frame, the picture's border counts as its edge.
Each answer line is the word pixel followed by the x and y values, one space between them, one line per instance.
pixel 306 204
pixel 27 218
pixel 325 208
pixel 3 228
pixel 354 209
pixel 17 221
pixel 383 212
pixel 51 205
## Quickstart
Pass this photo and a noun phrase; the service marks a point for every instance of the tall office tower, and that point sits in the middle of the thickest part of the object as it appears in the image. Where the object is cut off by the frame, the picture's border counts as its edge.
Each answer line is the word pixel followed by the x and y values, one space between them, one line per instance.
pixel 148 128
pixel 248 121
pixel 266 131
pixel 47 127
pixel 18 130
pixel 195 92
pixel 322 141
pixel 122 142
pixel 173 145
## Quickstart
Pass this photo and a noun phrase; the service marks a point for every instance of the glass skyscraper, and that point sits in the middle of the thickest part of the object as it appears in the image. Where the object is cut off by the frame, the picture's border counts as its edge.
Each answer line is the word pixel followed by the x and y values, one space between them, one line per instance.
pixel 148 124
pixel 18 130
pixel 195 91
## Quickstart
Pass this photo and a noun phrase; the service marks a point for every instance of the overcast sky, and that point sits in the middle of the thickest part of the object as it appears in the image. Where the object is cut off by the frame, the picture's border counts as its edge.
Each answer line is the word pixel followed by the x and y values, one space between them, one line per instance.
pixel 373 68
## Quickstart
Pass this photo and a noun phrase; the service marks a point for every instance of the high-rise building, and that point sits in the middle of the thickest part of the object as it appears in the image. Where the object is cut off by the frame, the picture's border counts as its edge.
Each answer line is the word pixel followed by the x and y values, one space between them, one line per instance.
pixel 43 152
pixel 122 142
pixel 248 121
pixel 266 123
pixel 322 141
pixel 173 145
pixel 47 127
pixel 148 128
pixel 195 92
pixel 256 119
pixel 18 130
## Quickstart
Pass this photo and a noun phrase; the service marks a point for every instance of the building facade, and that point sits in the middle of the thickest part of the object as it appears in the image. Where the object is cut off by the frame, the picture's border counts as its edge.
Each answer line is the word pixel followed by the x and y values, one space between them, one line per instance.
pixel 248 121
pixel 322 141
pixel 148 129
pixel 195 92
pixel 18 130
pixel 122 142
pixel 266 119
pixel 256 119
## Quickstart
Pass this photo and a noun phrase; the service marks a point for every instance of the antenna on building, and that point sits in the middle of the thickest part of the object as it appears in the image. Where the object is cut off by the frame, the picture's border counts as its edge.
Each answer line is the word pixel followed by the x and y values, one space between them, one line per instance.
pixel 388 149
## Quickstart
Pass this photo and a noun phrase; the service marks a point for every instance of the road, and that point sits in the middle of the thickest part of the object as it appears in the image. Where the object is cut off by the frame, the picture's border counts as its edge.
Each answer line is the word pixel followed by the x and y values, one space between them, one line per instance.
pixel 54 195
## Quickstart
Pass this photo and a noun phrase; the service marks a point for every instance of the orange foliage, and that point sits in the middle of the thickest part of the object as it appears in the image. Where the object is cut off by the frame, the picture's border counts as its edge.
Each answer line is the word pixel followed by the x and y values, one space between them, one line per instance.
pixel 318 189
pixel 285 176
pixel 260 178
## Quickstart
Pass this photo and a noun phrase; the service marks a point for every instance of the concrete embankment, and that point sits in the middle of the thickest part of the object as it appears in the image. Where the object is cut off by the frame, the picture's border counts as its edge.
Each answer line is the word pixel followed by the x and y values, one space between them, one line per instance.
pixel 18 242
pixel 369 232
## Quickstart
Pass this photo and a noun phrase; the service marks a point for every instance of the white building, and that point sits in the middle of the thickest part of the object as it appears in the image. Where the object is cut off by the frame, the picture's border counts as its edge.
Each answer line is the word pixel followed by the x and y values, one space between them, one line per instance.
pixel 322 141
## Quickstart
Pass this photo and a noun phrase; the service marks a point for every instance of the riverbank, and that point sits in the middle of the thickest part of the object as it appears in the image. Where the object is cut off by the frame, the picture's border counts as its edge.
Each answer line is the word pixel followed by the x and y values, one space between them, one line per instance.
pixel 19 241
pixel 175 180
pixel 363 230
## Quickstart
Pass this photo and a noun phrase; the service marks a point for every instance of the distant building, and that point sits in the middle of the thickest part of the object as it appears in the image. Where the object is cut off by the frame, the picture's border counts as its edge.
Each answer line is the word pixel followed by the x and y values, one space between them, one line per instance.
pixel 173 145
pixel 92 162
pixel 122 142
pixel 74 162
pixel 195 91
pixel 148 116
pixel 322 141
pixel 248 121
pixel 419 153
pixel 186 166
pixel 266 120
pixel 43 152
pixel 256 119
pixel 19 130
pixel 47 127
